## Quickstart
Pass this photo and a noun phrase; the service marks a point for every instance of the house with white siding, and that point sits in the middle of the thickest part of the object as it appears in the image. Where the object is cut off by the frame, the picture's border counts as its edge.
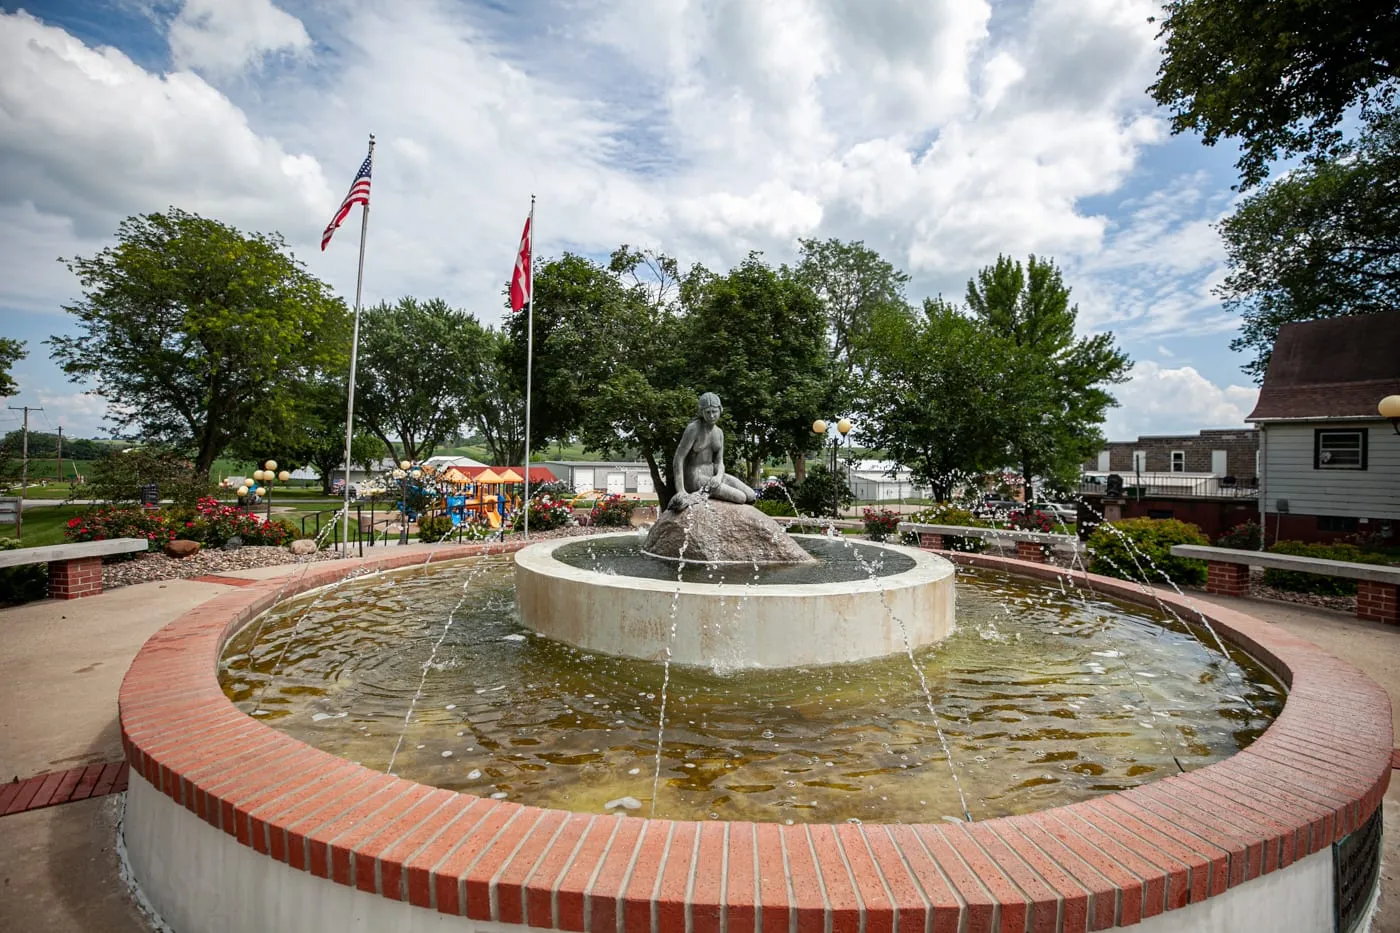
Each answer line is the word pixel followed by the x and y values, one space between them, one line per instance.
pixel 619 476
pixel 1330 462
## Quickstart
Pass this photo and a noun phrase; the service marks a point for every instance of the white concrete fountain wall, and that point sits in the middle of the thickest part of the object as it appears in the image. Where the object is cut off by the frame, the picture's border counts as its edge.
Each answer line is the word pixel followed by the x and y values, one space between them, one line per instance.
pixel 735 626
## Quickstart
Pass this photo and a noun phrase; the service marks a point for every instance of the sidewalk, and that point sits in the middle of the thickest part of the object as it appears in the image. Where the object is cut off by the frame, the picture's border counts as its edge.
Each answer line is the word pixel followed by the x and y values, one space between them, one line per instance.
pixel 61 664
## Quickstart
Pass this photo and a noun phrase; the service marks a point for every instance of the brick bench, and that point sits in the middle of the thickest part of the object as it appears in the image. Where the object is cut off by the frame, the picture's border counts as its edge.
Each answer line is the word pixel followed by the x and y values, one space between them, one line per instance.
pixel 1227 573
pixel 74 569
pixel 1029 544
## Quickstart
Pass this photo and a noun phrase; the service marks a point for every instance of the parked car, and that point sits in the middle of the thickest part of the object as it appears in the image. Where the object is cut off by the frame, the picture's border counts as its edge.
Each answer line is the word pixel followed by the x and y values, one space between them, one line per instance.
pixel 1062 511
pixel 994 507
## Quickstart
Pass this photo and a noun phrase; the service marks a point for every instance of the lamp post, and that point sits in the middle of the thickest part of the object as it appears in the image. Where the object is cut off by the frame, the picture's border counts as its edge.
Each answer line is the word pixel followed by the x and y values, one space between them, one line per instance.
pixel 266 476
pixel 406 471
pixel 1390 410
pixel 836 431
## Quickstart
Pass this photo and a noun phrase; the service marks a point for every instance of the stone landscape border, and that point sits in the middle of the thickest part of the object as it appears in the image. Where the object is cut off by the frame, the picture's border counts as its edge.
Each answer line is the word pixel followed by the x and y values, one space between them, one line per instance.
pixel 1313 777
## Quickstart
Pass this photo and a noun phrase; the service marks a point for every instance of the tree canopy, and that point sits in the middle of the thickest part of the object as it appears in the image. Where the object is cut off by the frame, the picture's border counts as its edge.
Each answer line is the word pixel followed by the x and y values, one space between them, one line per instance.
pixel 1279 76
pixel 1323 241
pixel 11 352
pixel 190 328
pixel 415 369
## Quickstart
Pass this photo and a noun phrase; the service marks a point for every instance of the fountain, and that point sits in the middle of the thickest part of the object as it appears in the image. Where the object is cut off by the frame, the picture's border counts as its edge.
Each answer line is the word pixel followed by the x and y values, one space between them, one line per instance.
pixel 830 752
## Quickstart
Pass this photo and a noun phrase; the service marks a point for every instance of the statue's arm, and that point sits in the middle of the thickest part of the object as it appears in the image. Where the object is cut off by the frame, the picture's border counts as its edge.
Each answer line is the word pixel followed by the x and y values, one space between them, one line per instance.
pixel 718 441
pixel 678 461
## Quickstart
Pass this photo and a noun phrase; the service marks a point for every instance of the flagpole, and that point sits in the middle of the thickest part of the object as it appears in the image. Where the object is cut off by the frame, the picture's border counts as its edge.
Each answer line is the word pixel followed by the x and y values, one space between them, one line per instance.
pixel 354 354
pixel 529 363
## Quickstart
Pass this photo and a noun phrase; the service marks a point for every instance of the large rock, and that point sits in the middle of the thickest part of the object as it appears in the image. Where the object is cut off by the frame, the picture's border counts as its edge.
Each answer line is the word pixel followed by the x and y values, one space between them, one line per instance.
pixel 181 548
pixel 722 531
pixel 303 547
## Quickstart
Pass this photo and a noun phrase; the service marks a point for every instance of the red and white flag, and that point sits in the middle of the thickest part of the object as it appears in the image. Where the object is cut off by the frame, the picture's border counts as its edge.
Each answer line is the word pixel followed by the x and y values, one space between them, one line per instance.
pixel 520 280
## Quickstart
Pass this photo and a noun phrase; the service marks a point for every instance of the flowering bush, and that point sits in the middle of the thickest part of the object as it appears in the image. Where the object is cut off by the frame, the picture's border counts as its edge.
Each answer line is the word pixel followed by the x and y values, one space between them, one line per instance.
pixel 109 522
pixel 1032 520
pixel 880 523
pixel 214 523
pixel 612 509
pixel 1244 536
pixel 546 512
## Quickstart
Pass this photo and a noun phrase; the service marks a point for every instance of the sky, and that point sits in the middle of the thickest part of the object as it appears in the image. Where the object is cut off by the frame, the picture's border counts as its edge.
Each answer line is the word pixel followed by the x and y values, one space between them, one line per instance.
pixel 942 133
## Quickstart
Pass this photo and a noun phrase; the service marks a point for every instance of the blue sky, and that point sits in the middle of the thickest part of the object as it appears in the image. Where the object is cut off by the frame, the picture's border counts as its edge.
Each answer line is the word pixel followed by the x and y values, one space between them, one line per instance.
pixel 941 133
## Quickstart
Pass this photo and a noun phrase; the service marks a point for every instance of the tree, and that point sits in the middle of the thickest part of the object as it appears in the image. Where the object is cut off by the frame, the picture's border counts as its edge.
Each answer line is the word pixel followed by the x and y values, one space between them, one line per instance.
pixel 309 432
pixel 1323 241
pixel 756 337
pixel 1055 398
pixel 11 352
pixel 495 406
pixel 853 282
pixel 938 394
pixel 1278 75
pixel 190 328
pixel 414 384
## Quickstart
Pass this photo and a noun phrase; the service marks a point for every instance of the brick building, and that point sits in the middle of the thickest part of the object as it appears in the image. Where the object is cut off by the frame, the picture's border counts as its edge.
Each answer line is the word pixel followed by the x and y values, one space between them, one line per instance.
pixel 1225 452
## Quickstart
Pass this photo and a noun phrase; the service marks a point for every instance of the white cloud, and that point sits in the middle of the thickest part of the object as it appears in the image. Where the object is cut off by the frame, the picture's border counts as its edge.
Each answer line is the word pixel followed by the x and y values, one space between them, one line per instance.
pixel 223 37
pixel 942 134
pixel 1158 400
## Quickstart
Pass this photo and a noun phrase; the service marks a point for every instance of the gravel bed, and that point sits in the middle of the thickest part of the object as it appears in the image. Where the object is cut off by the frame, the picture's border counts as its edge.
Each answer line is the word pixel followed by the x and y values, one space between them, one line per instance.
pixel 154 565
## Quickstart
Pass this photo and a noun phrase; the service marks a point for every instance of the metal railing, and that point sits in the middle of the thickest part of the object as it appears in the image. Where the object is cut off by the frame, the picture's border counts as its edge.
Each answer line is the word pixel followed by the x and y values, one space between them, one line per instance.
pixel 1139 486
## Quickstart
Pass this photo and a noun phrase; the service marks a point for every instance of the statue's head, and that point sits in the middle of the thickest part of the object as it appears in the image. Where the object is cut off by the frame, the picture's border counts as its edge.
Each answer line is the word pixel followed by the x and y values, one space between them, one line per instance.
pixel 710 407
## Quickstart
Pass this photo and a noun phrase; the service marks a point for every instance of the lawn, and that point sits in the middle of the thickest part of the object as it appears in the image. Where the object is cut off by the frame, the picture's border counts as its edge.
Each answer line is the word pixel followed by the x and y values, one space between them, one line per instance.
pixel 43 524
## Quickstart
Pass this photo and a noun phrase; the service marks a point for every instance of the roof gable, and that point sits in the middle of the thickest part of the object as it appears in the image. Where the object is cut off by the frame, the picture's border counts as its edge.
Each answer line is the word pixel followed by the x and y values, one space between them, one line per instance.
pixel 1331 368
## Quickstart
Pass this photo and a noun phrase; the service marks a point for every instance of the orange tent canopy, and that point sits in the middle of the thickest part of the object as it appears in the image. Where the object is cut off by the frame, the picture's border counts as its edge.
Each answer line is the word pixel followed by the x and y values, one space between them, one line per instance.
pixel 489 477
pixel 510 476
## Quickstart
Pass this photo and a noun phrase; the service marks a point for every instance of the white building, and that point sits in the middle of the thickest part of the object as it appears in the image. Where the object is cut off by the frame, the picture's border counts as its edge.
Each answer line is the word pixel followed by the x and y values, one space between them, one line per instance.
pixel 883 481
pixel 610 476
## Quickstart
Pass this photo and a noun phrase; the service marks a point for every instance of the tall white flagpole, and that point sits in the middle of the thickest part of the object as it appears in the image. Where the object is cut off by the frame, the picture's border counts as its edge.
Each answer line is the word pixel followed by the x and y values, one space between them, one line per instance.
pixel 354 354
pixel 529 362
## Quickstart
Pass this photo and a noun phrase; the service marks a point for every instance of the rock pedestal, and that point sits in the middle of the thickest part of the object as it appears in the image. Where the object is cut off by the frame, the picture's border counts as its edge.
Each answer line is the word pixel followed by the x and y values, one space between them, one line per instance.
pixel 180 548
pixel 722 532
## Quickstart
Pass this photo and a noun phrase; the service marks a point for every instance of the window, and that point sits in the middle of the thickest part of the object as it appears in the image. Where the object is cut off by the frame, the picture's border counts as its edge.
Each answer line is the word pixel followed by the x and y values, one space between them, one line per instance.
pixel 1139 461
pixel 1336 523
pixel 1339 450
pixel 1178 461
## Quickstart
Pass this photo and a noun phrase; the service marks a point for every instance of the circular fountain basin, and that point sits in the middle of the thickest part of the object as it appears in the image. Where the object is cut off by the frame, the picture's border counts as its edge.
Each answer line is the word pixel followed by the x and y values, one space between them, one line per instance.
pixel 903 600
pixel 231 825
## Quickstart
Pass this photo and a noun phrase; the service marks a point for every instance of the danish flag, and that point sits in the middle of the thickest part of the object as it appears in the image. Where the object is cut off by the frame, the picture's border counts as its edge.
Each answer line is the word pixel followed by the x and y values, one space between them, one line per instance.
pixel 520 281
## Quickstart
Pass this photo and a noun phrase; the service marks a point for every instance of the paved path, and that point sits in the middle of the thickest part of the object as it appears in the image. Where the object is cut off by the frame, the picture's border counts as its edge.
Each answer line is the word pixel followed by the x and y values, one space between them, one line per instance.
pixel 61 664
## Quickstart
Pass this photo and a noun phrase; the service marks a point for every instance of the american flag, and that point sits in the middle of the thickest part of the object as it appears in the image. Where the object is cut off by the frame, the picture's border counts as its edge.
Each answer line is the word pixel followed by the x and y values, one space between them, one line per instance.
pixel 359 194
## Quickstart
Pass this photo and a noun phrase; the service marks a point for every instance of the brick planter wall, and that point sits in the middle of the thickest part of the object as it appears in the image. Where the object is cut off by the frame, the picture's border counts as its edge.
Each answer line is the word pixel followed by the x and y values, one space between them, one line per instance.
pixel 1310 779
pixel 1227 579
pixel 1031 551
pixel 1378 602
pixel 71 579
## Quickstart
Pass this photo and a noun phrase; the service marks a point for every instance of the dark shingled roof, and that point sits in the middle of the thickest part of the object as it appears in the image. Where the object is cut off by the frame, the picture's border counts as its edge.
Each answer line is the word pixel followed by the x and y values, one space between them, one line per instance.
pixel 1333 368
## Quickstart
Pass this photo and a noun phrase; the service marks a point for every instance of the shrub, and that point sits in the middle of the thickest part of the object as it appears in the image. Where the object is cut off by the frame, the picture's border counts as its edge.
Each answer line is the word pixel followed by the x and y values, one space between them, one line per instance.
pixel 1033 520
pixel 118 477
pixel 554 489
pixel 821 492
pixel 1150 541
pixel 22 584
pixel 880 523
pixel 214 523
pixel 1297 582
pixel 948 514
pixel 545 513
pixel 777 492
pixel 107 522
pixel 611 510
pixel 434 527
pixel 1243 537
pixel 775 507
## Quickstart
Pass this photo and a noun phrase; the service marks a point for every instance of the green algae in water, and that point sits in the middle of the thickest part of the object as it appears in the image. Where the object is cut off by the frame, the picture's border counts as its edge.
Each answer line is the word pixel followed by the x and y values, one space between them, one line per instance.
pixel 1046 697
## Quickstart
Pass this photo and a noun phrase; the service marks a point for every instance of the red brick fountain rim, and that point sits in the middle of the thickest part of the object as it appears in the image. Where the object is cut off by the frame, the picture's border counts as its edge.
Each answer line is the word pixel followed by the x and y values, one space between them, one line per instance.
pixel 1311 778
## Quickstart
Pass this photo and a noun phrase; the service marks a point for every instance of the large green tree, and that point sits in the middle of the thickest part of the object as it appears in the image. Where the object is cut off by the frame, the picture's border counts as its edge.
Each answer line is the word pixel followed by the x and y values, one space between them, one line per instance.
pixel 188 327
pixel 756 337
pixel 309 432
pixel 414 381
pixel 1278 76
pixel 495 406
pixel 938 394
pixel 1323 241
pixel 11 352
pixel 1055 383
pixel 853 283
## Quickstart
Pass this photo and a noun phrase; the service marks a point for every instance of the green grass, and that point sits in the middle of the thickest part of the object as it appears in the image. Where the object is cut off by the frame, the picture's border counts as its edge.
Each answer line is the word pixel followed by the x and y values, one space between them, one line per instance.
pixel 43 524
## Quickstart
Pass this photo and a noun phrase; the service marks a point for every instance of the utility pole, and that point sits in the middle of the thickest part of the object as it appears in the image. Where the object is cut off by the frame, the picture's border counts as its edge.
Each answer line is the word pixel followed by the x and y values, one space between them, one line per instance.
pixel 60 453
pixel 23 468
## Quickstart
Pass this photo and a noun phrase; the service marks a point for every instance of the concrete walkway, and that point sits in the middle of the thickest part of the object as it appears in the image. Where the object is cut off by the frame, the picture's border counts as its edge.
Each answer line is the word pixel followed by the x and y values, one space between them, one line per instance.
pixel 61 664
